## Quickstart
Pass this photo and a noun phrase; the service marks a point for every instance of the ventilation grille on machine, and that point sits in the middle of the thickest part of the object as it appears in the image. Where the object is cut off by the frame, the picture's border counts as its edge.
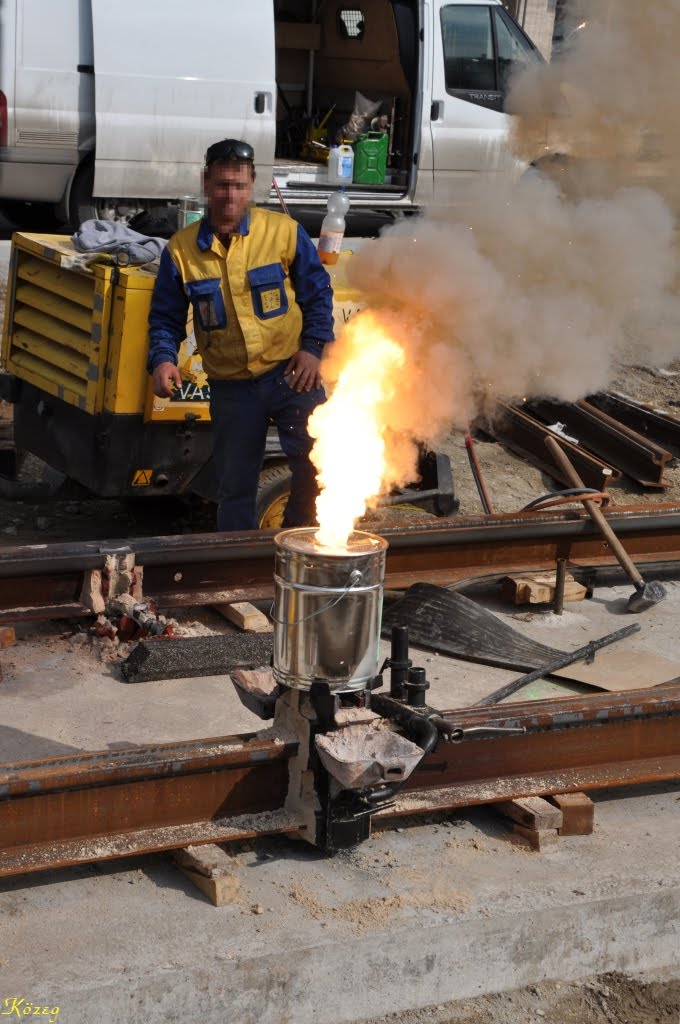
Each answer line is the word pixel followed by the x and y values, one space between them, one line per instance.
pixel 51 329
pixel 57 139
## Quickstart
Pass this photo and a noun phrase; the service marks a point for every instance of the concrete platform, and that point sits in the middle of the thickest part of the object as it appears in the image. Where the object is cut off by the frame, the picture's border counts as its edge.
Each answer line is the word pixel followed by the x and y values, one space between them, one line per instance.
pixel 426 912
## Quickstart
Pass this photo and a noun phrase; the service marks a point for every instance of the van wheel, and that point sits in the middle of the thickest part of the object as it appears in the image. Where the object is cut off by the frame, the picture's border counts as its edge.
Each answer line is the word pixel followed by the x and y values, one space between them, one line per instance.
pixel 84 206
pixel 272 497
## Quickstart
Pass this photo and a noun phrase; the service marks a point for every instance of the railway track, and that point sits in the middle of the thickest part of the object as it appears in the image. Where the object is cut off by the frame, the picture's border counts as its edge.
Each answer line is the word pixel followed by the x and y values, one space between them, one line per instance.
pixel 113 803
pixel 46 581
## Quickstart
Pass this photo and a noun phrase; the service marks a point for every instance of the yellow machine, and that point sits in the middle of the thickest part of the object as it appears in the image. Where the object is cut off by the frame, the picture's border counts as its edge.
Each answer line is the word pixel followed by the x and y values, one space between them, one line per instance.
pixel 74 351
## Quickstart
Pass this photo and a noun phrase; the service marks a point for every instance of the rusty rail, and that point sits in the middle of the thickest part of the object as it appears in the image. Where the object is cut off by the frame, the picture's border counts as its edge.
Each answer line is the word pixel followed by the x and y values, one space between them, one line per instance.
pixel 46 581
pixel 638 457
pixel 99 806
pixel 525 436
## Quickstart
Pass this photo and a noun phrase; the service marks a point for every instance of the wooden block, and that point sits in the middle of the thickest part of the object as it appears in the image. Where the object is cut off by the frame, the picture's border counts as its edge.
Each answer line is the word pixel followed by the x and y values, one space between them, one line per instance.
pixel 539 839
pixel 532 812
pixel 211 870
pixel 539 588
pixel 220 891
pixel 578 813
pixel 210 860
pixel 7 636
pixel 246 616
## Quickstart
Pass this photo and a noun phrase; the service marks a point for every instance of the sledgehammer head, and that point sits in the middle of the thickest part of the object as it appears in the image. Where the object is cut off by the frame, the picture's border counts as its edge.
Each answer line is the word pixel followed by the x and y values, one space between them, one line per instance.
pixel 646 595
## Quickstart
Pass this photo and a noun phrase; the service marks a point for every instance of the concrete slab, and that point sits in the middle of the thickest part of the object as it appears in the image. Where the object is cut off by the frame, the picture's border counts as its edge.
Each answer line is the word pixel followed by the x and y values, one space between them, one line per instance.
pixel 426 912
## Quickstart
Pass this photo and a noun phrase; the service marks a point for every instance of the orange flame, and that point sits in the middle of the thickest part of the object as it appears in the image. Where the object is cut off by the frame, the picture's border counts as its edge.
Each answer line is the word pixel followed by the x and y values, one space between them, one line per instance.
pixel 350 450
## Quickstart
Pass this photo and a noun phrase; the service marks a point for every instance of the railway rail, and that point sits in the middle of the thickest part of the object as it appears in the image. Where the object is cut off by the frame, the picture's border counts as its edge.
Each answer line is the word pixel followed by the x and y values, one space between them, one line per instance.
pixel 58 580
pixel 109 804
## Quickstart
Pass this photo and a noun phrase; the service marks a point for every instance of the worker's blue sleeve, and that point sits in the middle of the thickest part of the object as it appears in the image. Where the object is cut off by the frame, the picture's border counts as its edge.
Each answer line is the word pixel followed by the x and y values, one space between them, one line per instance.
pixel 313 293
pixel 168 314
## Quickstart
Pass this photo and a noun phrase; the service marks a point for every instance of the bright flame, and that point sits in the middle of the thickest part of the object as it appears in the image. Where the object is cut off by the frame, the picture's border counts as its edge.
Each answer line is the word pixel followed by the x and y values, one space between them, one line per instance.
pixel 350 451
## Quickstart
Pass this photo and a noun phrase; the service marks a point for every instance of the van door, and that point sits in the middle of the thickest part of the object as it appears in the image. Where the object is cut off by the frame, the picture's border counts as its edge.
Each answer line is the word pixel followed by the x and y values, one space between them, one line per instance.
pixel 44 97
pixel 171 79
pixel 477 47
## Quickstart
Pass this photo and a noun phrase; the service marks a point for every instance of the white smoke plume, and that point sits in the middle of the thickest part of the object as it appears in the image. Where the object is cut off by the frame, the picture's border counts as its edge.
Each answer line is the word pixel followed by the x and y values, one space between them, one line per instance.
pixel 609 100
pixel 536 293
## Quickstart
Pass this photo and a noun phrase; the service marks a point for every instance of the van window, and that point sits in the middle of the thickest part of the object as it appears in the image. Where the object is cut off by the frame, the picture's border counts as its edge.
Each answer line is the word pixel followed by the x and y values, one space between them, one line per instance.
pixel 514 49
pixel 351 23
pixel 469 61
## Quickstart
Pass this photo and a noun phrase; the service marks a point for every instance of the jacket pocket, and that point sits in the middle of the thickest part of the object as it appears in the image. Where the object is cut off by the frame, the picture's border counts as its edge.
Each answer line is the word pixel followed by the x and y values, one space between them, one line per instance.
pixel 267 289
pixel 206 298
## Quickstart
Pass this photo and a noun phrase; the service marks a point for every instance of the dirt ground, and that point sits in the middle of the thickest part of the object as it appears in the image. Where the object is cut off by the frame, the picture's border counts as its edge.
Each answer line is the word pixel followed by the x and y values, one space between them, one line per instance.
pixel 609 999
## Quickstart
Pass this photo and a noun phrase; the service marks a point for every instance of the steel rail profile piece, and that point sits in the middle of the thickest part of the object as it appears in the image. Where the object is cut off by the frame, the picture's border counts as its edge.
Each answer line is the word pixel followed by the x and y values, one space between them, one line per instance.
pixel 68 579
pixel 108 804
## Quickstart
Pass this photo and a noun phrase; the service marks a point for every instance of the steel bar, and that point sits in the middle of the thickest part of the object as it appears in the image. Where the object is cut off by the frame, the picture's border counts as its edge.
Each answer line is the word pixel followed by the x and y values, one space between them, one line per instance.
pixel 560 584
pixel 99 806
pixel 46 581
pixel 526 436
pixel 619 445
pixel 647 420
pixel 585 653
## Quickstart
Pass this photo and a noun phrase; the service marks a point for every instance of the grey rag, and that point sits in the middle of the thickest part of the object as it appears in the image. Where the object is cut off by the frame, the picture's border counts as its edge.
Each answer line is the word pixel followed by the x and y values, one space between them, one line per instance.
pixel 108 236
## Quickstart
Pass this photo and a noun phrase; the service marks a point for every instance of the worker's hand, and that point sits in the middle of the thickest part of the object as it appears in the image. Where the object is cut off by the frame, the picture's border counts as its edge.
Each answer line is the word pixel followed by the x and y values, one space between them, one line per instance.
pixel 165 376
pixel 302 372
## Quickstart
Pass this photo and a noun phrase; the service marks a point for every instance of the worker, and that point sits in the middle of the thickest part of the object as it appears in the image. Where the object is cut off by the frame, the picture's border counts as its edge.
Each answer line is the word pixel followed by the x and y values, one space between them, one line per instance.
pixel 262 305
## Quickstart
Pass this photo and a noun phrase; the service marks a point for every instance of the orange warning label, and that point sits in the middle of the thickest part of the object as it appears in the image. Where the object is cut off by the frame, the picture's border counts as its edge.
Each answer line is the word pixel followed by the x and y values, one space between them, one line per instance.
pixel 142 477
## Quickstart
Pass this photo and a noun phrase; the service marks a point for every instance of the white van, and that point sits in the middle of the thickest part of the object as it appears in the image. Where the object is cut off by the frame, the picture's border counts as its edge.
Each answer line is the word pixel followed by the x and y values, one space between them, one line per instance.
pixel 107 108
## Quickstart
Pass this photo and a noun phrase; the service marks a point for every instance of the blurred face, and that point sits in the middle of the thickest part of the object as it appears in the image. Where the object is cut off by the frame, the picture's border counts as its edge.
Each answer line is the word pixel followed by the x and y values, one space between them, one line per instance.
pixel 229 191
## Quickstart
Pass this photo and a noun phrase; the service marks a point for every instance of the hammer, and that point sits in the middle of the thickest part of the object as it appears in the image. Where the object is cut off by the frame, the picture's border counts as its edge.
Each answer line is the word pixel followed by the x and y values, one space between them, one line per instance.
pixel 645 594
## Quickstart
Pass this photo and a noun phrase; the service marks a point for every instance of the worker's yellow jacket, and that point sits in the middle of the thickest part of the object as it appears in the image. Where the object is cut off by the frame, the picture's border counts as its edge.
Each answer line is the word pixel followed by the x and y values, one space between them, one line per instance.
pixel 255 304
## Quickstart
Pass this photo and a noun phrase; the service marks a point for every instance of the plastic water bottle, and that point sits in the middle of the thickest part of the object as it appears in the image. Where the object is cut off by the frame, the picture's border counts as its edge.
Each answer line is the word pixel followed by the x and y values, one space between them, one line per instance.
pixel 341 165
pixel 333 227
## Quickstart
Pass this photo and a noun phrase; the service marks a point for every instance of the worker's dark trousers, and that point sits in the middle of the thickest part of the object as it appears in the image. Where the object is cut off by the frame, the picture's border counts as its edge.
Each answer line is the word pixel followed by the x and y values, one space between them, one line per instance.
pixel 240 411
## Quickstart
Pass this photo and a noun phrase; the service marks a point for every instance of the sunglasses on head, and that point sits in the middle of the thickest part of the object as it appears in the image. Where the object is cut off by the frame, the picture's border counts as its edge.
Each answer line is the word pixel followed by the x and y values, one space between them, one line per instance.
pixel 229 149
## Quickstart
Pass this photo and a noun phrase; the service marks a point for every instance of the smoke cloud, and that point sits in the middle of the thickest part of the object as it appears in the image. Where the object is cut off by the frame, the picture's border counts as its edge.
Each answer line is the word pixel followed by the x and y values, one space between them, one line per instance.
pixel 609 101
pixel 541 290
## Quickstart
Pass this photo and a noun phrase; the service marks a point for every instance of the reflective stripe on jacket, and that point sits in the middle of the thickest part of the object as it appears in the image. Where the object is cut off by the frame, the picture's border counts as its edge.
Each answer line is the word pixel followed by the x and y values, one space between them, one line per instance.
pixel 254 305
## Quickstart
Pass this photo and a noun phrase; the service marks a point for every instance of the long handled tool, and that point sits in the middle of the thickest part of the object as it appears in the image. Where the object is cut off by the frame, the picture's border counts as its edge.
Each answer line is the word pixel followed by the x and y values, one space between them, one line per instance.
pixel 582 654
pixel 477 474
pixel 645 594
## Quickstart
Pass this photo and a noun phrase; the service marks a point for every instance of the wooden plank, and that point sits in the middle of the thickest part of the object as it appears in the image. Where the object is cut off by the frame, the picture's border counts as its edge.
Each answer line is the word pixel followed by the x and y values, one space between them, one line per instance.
pixel 220 891
pixel 7 636
pixel 210 869
pixel 539 839
pixel 532 812
pixel 539 588
pixel 578 813
pixel 209 860
pixel 246 616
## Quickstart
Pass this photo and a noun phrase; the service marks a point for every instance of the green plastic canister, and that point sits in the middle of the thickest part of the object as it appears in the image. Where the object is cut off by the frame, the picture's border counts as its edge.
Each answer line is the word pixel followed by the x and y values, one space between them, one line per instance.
pixel 370 158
